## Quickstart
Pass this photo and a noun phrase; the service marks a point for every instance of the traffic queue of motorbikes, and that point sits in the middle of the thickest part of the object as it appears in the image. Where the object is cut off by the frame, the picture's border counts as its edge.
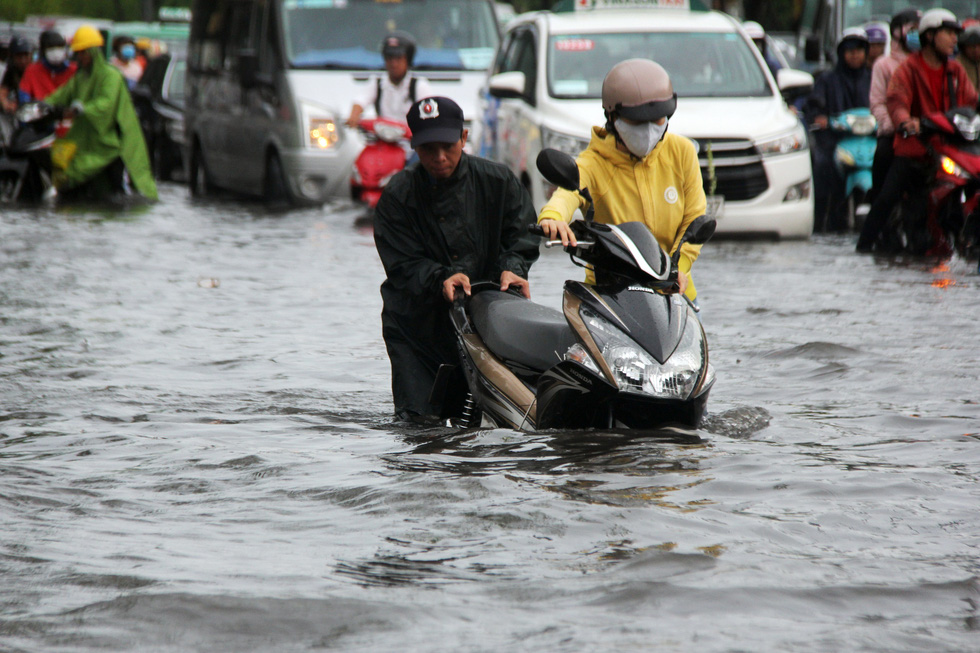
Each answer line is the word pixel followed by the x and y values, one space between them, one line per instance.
pixel 939 213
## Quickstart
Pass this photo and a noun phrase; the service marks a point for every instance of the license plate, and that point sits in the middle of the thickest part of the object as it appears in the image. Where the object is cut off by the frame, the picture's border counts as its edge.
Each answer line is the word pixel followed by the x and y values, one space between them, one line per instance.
pixel 716 206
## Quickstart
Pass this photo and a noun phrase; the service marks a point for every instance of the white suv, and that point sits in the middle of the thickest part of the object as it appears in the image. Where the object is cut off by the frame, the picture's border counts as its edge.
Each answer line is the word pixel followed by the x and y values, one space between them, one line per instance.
pixel 545 86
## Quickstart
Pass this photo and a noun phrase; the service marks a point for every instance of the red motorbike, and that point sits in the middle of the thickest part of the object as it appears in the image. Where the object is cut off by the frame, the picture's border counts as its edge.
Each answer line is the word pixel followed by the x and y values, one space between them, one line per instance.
pixel 950 220
pixel 381 158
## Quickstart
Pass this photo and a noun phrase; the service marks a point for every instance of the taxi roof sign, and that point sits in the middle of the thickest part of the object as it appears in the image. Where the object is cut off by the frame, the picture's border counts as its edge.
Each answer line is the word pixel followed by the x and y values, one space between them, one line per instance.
pixel 588 5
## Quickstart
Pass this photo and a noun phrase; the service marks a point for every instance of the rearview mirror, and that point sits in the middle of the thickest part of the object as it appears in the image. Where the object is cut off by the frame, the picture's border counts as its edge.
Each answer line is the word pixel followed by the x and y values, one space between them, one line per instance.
pixel 789 79
pixel 811 49
pixel 508 85
pixel 558 168
pixel 248 67
pixel 700 231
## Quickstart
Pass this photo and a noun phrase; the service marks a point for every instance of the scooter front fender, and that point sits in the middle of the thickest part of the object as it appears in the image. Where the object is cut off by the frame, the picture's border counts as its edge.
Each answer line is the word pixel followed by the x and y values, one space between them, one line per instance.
pixel 858 179
pixel 570 395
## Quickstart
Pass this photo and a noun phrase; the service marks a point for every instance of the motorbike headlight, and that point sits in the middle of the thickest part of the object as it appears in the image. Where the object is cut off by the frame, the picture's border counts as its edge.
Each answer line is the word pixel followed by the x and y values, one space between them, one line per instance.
pixel 862 125
pixel 323 131
pixel 389 133
pixel 30 112
pixel 786 143
pixel 951 168
pixel 637 371
pixel 567 143
pixel 969 127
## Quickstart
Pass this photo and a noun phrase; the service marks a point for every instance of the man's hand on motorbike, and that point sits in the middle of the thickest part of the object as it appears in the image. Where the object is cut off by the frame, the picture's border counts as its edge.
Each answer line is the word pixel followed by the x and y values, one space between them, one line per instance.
pixel 821 122
pixel 911 126
pixel 681 282
pixel 458 280
pixel 557 230
pixel 510 280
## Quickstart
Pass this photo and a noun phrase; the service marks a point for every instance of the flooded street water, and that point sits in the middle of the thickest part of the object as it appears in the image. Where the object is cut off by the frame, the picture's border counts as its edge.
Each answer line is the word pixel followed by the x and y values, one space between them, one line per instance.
pixel 197 454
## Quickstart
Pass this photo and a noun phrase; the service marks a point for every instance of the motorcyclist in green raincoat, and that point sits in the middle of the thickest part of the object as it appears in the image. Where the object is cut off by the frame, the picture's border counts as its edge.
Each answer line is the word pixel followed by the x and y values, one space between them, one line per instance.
pixel 105 136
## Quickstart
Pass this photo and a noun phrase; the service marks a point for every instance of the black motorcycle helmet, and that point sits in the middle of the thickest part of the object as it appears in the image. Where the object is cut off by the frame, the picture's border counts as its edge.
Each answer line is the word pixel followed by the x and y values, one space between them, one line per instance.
pixel 52 39
pixel 969 36
pixel 900 21
pixel 399 44
pixel 19 45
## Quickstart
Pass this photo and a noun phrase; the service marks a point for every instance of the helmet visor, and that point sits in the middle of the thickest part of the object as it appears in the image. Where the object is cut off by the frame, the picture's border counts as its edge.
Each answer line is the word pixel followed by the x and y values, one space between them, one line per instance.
pixel 649 110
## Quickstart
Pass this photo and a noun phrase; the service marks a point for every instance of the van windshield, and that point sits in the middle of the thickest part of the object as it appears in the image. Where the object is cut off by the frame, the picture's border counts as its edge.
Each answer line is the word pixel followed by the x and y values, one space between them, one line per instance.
pixel 701 64
pixel 347 34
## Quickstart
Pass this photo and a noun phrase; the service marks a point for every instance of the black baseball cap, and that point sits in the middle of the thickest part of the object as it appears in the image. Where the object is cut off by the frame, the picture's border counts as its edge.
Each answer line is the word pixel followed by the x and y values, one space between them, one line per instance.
pixel 435 120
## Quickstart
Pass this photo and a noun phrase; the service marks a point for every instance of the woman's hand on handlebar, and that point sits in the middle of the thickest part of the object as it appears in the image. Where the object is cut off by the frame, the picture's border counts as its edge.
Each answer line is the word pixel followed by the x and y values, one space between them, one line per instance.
pixel 681 282
pixel 557 230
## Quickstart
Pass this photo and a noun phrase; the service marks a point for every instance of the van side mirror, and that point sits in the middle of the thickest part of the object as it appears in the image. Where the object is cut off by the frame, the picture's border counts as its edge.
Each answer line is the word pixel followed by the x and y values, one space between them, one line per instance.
pixel 508 85
pixel 811 48
pixel 793 84
pixel 248 67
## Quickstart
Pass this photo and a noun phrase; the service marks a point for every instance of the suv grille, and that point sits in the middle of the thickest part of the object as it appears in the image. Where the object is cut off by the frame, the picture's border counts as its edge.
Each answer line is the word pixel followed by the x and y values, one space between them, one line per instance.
pixel 738 168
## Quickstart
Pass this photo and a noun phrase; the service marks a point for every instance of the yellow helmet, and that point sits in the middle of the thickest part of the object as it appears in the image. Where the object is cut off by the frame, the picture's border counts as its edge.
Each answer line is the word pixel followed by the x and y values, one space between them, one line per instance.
pixel 86 37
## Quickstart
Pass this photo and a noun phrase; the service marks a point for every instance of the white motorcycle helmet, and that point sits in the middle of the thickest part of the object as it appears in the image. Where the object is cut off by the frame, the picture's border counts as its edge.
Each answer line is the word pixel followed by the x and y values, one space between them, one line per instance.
pixel 939 18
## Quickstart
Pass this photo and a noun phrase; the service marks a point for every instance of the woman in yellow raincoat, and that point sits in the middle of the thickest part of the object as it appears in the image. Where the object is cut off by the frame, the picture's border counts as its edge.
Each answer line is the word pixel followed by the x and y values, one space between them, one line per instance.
pixel 634 169
pixel 105 136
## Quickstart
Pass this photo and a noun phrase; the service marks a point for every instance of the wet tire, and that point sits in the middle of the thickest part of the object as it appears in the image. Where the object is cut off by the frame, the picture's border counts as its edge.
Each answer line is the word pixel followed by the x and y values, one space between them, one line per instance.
pixel 275 190
pixel 198 177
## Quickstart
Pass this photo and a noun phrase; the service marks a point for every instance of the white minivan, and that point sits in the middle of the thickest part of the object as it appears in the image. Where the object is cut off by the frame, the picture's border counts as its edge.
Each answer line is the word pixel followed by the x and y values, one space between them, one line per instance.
pixel 545 87
pixel 270 83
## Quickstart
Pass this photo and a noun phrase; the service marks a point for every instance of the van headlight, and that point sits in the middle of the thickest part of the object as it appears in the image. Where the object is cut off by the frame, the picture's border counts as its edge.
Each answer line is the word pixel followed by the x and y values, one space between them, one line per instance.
pixel 786 143
pixel 323 129
pixel 567 143
pixel 637 371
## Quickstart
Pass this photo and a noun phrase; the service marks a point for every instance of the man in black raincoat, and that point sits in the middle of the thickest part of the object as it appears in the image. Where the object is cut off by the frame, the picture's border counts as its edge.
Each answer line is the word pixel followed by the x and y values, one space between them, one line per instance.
pixel 451 220
pixel 845 87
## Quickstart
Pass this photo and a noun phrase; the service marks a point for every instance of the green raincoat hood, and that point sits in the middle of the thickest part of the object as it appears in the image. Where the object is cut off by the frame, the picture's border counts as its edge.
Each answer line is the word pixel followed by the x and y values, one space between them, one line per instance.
pixel 107 128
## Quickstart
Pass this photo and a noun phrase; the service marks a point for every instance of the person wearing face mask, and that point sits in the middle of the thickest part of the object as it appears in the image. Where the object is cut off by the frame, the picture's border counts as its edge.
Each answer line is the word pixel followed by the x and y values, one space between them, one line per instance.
pixel 20 59
pixel 845 87
pixel 927 81
pixel 124 58
pixel 104 152
pixel 634 168
pixel 50 71
pixel 901 25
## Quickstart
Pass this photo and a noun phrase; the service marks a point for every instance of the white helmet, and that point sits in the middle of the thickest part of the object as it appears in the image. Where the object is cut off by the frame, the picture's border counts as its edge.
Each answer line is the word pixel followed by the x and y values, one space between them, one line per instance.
pixel 754 30
pixel 937 18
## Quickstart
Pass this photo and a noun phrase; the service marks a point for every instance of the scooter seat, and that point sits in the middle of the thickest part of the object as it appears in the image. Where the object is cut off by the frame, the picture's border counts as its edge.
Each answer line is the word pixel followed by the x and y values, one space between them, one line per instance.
pixel 519 331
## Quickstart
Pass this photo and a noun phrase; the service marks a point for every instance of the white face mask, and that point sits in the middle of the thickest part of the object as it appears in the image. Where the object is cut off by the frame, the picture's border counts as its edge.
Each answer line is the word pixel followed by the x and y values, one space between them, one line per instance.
pixel 55 56
pixel 640 139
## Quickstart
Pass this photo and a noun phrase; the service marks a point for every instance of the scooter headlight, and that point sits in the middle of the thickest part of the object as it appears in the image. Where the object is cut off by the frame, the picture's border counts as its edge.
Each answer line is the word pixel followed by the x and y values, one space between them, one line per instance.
pixel 969 127
pixel 389 133
pixel 861 125
pixel 30 112
pixel 637 371
pixel 951 168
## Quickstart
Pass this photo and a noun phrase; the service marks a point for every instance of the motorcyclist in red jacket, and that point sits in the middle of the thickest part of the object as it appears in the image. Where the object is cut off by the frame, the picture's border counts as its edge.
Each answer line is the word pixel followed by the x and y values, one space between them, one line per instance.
pixel 927 81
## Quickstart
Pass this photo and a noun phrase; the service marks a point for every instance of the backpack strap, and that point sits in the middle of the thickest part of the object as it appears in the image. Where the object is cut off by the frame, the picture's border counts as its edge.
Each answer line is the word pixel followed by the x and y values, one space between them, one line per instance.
pixel 411 88
pixel 377 99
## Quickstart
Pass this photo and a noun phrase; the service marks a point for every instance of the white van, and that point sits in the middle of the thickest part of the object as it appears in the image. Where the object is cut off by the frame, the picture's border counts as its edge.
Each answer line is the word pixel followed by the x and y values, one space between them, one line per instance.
pixel 270 83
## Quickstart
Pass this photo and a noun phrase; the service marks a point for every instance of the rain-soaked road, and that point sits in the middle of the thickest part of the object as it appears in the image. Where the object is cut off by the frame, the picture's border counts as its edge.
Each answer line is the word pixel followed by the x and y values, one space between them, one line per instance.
pixel 196 454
